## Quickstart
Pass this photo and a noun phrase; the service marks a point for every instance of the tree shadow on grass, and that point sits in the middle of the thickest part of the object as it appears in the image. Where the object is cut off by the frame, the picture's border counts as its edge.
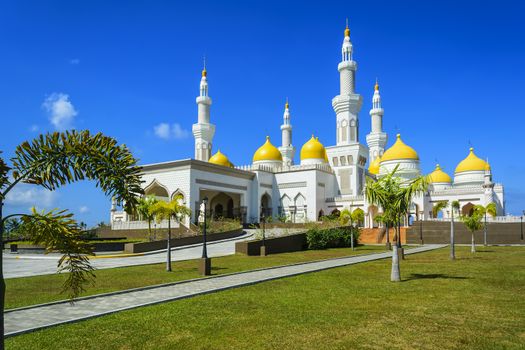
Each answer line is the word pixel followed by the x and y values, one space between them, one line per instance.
pixel 419 276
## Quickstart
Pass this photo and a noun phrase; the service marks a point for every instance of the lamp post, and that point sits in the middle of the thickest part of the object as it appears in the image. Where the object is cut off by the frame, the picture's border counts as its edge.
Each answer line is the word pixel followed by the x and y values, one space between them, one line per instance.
pixel 485 229
pixel 205 262
pixel 263 222
pixel 521 224
pixel 421 227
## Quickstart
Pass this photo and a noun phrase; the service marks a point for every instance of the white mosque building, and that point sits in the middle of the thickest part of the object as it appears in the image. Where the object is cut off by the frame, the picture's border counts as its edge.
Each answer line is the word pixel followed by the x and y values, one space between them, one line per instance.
pixel 327 180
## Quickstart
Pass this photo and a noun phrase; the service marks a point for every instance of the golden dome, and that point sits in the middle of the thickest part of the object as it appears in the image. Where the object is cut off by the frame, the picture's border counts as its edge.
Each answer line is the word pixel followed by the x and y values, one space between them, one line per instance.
pixel 399 151
pixel 220 159
pixel 487 166
pixel 204 72
pixel 439 175
pixel 471 163
pixel 267 152
pixel 373 168
pixel 313 149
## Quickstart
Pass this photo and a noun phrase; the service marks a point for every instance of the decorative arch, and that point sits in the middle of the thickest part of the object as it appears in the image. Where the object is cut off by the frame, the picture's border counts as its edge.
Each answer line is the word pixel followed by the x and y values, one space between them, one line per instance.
pixel 155 188
pixel 300 200
pixel 180 193
pixel 220 205
pixel 286 201
pixel 335 213
pixel 467 209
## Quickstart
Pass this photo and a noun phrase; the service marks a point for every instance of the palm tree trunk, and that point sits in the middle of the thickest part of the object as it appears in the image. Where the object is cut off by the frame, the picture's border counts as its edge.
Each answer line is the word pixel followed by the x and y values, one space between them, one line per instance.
pixel 485 230
pixel 387 243
pixel 452 248
pixel 473 246
pixel 168 261
pixel 395 276
pixel 149 230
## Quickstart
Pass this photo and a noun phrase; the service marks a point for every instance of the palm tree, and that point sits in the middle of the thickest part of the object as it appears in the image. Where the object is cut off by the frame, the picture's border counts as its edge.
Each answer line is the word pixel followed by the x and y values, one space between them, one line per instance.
pixel 394 196
pixel 167 211
pixel 454 205
pixel 473 223
pixel 492 211
pixel 357 216
pixel 51 161
pixel 144 209
pixel 438 207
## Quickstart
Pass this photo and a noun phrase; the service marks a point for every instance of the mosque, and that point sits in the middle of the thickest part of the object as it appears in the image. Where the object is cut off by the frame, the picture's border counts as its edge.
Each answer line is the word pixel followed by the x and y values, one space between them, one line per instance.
pixel 327 180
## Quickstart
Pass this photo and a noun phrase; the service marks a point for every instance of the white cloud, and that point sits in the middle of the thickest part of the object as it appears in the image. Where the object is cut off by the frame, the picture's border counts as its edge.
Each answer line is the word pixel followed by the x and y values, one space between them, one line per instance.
pixel 34 128
pixel 167 132
pixel 61 111
pixel 29 196
pixel 74 61
pixel 83 209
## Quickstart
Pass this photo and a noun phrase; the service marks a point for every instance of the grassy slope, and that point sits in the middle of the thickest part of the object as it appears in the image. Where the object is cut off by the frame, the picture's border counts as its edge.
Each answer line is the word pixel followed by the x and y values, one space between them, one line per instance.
pixel 475 302
pixel 39 289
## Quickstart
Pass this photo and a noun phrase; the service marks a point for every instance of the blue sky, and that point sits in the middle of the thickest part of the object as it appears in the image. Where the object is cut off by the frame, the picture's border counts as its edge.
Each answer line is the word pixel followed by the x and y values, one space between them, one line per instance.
pixel 451 75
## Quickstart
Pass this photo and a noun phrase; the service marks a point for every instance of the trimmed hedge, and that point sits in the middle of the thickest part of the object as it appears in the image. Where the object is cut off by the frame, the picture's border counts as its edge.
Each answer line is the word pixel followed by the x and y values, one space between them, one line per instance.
pixel 336 237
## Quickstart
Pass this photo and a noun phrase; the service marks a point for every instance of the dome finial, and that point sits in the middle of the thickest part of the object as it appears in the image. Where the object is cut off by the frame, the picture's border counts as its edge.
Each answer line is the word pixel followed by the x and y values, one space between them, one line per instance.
pixel 347 30
pixel 204 72
pixel 376 87
pixel 398 136
pixel 286 105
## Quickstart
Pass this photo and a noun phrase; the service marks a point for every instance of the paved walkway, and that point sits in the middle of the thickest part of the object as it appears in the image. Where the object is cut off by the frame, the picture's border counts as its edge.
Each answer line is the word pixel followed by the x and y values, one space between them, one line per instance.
pixel 37 317
pixel 25 265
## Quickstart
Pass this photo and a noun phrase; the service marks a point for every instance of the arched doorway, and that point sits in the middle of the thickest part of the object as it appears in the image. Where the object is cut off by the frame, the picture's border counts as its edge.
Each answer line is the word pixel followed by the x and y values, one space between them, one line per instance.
pixel 218 211
pixel 335 213
pixel 467 209
pixel 266 205
pixel 320 215
pixel 222 206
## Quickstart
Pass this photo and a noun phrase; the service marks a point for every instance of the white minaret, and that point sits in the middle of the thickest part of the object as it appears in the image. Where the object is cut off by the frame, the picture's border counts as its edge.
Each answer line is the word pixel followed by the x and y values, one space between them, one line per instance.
pixel 203 130
pixel 347 104
pixel 376 139
pixel 488 185
pixel 286 149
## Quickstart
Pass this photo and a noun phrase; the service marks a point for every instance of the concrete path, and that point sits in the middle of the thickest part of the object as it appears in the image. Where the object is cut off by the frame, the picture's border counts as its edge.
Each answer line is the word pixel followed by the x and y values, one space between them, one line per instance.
pixel 39 264
pixel 37 317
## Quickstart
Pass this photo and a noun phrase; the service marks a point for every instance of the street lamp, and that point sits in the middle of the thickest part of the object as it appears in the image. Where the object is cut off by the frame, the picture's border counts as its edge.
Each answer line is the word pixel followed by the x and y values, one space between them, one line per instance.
pixel 521 224
pixel 205 262
pixel 421 226
pixel 263 247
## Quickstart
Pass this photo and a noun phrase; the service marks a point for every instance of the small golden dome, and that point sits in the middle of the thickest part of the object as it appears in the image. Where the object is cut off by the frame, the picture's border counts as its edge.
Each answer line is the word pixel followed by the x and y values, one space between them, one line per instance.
pixel 347 31
pixel 313 149
pixel 376 87
pixel 204 72
pixel 286 105
pixel 220 159
pixel 373 168
pixel 399 151
pixel 471 163
pixel 438 176
pixel 267 152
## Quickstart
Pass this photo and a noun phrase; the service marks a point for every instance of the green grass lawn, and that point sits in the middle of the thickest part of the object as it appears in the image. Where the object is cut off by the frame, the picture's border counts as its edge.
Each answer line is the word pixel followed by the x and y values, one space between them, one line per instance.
pixel 475 302
pixel 40 289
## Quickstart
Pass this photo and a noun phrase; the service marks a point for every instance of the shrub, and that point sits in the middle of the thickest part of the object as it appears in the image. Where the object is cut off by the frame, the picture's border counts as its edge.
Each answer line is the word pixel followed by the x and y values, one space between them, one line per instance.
pixel 333 237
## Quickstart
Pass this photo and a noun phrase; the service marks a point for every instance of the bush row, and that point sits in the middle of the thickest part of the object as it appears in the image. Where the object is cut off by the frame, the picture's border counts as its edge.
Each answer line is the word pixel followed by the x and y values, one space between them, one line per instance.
pixel 335 237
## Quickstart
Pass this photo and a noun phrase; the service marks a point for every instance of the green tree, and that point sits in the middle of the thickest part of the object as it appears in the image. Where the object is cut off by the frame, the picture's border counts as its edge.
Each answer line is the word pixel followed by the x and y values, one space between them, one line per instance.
pixel 51 161
pixel 345 217
pixel 144 206
pixel 491 210
pixel 167 211
pixel 454 206
pixel 473 223
pixel 358 216
pixel 394 195
pixel 438 207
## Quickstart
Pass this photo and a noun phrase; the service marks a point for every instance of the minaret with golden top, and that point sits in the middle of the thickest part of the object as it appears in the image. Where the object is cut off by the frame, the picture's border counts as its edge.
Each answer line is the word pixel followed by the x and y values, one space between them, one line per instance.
pixel 347 104
pixel 203 130
pixel 376 139
pixel 287 149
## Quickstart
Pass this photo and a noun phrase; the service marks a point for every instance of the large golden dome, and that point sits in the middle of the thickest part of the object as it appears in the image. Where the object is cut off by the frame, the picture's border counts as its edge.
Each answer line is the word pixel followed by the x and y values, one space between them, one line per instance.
pixel 438 176
pixel 399 151
pixel 220 159
pixel 267 152
pixel 373 168
pixel 471 163
pixel 313 149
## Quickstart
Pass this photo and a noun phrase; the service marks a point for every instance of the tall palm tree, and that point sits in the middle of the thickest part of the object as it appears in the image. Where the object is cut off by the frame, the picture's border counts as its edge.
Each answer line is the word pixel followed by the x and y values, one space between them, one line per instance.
pixel 492 211
pixel 144 209
pixel 395 196
pixel 167 211
pixel 438 207
pixel 473 223
pixel 51 161
pixel 454 205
